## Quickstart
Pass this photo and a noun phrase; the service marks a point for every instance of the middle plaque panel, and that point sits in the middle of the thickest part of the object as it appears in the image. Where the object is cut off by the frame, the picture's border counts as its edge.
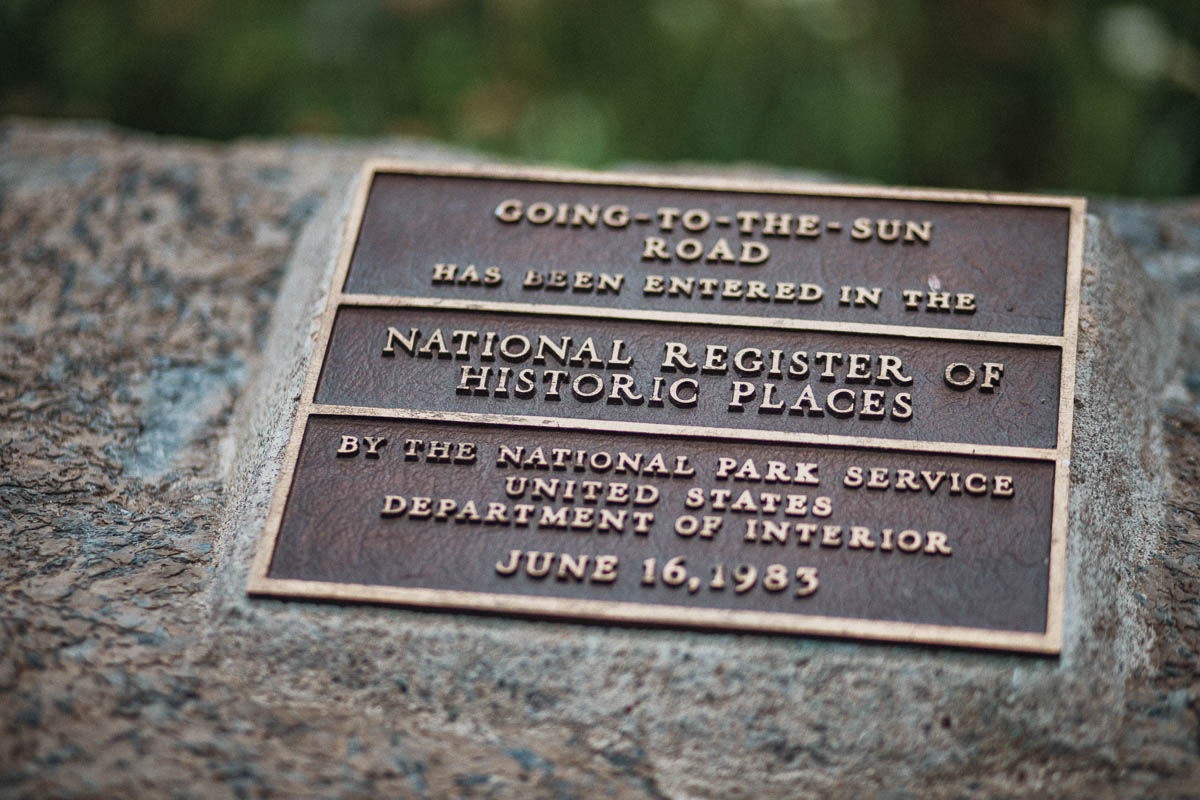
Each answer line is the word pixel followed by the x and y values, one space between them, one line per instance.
pixel 693 375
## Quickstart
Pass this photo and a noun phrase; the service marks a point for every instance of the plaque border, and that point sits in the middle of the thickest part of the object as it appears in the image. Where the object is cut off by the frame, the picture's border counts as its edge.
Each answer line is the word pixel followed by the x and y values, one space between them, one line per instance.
pixel 1048 642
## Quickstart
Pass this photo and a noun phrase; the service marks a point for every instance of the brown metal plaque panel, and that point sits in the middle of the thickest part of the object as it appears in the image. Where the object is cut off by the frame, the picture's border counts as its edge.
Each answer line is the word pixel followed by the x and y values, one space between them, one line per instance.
pixel 1023 412
pixel 995 576
pixel 413 223
pixel 891 505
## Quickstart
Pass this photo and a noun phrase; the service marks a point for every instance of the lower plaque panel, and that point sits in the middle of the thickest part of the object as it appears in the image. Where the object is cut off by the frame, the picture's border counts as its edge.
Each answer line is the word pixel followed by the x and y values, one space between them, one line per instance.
pixel 692 531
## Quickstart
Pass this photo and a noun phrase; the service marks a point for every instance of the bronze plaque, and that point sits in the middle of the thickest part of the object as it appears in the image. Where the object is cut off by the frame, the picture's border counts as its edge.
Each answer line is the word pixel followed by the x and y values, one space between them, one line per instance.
pixel 802 409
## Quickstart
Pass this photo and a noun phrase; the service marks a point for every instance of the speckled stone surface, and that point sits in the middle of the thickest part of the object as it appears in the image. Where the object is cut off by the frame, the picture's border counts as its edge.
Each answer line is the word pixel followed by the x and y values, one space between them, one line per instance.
pixel 158 303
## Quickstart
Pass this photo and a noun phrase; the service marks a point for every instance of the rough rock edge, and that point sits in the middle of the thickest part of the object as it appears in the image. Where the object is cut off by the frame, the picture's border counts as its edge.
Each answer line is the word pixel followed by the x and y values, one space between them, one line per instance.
pixel 1116 509
pixel 270 400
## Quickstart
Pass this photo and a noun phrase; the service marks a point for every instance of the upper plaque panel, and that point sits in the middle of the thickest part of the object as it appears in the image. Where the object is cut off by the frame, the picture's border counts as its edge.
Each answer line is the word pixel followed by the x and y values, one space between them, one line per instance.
pixel 823 258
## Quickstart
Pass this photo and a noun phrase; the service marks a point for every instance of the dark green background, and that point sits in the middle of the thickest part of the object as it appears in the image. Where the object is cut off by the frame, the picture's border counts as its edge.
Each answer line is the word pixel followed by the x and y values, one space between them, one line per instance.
pixel 1076 95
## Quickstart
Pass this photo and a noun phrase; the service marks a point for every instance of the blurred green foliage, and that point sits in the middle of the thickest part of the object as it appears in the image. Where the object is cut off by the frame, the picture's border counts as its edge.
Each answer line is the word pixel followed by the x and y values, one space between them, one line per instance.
pixel 1005 94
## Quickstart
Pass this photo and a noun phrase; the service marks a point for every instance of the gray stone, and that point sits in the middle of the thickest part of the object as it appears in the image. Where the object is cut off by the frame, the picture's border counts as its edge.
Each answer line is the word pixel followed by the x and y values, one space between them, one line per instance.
pixel 159 304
